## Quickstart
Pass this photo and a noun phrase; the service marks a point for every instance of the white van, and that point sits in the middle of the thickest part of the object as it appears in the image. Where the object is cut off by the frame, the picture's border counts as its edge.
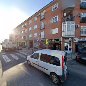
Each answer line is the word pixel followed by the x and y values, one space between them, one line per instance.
pixel 52 62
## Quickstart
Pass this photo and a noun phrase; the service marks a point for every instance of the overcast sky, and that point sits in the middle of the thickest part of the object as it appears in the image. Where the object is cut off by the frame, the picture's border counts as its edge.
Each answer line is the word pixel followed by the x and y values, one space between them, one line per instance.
pixel 13 12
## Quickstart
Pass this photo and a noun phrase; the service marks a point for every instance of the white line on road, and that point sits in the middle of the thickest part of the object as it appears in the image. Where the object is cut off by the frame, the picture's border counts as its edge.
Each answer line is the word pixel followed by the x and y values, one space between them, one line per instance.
pixel 6 58
pixel 21 55
pixel 14 56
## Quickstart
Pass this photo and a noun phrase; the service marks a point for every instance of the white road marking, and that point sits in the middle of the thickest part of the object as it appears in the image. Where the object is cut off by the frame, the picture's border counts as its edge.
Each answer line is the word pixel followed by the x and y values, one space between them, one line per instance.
pixel 14 56
pixel 3 53
pixel 6 58
pixel 21 55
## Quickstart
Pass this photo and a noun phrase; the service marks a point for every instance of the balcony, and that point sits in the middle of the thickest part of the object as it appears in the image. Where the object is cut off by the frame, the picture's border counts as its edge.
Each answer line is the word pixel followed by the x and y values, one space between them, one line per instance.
pixel 68 29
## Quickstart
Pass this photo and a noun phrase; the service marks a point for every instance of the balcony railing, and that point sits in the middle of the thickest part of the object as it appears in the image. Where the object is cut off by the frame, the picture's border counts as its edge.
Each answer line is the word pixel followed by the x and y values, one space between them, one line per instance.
pixel 68 29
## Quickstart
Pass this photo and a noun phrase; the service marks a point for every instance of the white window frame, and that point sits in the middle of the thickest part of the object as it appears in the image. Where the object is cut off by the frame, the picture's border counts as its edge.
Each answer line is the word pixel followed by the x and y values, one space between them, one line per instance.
pixel 42 25
pixel 54 31
pixel 35 27
pixel 30 28
pixel 30 35
pixel 54 19
pixel 35 18
pixel 54 7
pixel 43 14
pixel 83 30
pixel 30 21
pixel 42 34
pixel 35 34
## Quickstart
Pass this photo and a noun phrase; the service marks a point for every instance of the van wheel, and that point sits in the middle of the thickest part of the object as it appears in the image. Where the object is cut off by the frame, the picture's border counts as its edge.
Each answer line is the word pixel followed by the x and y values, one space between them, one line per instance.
pixel 55 78
pixel 28 62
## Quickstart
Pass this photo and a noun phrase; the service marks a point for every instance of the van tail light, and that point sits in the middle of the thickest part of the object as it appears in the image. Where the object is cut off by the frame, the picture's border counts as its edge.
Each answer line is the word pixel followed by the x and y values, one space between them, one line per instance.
pixel 62 62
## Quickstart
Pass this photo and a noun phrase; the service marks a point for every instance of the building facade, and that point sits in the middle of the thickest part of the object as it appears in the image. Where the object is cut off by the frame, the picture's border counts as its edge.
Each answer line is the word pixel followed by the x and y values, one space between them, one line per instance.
pixel 56 26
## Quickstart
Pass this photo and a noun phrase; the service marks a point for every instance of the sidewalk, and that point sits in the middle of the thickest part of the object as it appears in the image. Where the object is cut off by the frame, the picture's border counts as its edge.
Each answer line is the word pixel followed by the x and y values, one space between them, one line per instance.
pixel 71 56
pixel 2 82
pixel 26 51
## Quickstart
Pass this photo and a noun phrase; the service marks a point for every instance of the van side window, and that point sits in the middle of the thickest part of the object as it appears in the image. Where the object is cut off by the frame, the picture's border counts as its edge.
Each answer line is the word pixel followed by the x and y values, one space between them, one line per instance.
pixel 45 58
pixel 55 61
pixel 35 56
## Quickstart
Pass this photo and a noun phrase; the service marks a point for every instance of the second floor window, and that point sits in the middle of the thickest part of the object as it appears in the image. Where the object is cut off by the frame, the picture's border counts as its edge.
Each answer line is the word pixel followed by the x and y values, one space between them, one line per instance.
pixel 83 30
pixel 54 31
pixel 42 34
pixel 35 34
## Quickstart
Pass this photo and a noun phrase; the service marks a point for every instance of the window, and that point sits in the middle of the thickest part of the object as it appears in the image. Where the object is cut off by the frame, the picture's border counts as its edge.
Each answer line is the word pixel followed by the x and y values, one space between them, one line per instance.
pixel 42 25
pixel 54 7
pixel 35 34
pixel 83 30
pixel 54 19
pixel 50 59
pixel 54 31
pixel 23 37
pixel 35 18
pixel 35 56
pixel 83 4
pixel 30 21
pixel 83 18
pixel 30 29
pixel 35 27
pixel 43 15
pixel 55 61
pixel 42 34
pixel 30 35
pixel 22 31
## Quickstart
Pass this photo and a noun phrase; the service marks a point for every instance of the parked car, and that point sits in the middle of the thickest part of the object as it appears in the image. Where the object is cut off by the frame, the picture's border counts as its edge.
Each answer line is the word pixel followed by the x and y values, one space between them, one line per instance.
pixel 51 62
pixel 81 56
pixel 81 51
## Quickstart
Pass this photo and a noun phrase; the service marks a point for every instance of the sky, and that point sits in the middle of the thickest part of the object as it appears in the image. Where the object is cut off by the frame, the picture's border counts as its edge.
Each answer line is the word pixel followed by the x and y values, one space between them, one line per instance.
pixel 14 12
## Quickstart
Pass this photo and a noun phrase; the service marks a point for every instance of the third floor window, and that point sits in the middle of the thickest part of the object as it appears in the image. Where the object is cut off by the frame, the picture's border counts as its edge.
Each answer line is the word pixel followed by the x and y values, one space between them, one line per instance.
pixel 42 25
pixel 54 19
pixel 54 7
pixel 35 27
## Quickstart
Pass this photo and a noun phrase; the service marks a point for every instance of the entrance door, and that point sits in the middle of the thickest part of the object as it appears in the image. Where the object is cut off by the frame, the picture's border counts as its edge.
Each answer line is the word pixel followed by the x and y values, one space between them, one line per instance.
pixel 68 47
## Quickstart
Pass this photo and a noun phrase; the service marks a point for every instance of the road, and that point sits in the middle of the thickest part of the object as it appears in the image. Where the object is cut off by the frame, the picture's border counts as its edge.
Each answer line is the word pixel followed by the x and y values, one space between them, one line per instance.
pixel 16 72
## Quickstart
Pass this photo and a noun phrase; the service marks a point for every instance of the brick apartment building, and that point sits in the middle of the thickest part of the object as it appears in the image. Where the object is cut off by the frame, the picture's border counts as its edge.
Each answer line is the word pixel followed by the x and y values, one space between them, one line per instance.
pixel 58 25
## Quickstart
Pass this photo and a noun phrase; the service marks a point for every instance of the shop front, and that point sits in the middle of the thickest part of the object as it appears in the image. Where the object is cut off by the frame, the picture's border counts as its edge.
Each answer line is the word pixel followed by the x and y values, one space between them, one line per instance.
pixel 54 44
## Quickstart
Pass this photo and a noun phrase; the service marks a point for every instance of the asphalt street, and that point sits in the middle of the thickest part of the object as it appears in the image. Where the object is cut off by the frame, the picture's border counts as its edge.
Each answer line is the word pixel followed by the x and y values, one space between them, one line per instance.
pixel 16 72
